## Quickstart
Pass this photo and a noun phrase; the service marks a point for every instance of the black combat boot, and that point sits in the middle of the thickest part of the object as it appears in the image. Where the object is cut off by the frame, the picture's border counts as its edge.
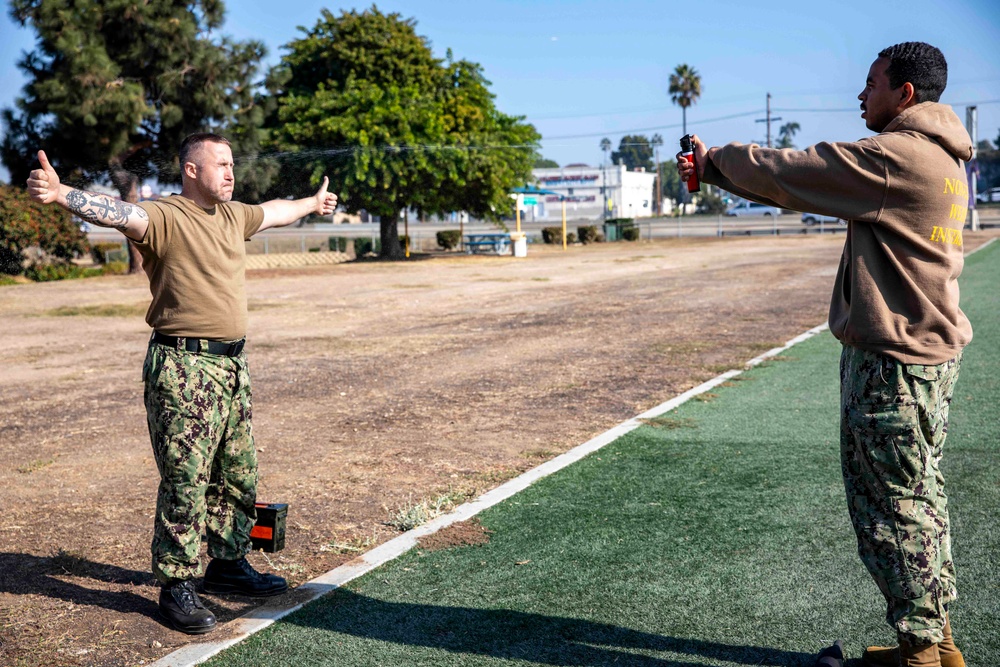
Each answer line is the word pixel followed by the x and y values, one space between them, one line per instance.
pixel 182 610
pixel 237 576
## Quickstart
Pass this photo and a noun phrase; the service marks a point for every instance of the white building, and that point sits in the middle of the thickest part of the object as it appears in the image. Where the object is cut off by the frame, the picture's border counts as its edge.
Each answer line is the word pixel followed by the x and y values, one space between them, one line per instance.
pixel 589 191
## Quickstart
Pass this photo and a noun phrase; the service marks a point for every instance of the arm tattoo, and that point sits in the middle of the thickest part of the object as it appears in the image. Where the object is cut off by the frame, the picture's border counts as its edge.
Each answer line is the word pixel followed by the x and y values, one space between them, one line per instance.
pixel 102 210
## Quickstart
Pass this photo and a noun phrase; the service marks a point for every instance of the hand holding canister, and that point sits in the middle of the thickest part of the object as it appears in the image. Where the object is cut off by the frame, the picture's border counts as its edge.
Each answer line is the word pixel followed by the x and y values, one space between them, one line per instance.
pixel 687 152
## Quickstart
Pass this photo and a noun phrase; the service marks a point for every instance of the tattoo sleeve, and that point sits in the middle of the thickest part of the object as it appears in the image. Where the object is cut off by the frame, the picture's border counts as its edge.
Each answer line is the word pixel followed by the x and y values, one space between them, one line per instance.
pixel 102 210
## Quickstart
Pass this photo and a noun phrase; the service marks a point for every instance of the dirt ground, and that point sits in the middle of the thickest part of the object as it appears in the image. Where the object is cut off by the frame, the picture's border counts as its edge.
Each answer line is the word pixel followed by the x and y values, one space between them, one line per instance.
pixel 383 393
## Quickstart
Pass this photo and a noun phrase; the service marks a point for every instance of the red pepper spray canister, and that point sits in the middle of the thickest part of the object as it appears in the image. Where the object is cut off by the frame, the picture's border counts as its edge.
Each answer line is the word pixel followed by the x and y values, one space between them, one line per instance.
pixel 687 152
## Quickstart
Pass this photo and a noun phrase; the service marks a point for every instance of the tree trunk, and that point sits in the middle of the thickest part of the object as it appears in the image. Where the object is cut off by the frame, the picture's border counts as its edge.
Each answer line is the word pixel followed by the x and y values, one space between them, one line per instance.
pixel 127 185
pixel 389 234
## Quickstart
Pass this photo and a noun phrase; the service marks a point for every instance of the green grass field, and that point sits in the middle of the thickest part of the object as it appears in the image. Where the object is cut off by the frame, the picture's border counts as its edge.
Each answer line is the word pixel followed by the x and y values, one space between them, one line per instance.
pixel 717 535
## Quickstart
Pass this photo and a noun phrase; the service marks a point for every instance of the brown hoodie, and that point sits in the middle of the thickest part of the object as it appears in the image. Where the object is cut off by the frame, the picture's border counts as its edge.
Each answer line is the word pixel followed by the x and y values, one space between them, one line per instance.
pixel 904 195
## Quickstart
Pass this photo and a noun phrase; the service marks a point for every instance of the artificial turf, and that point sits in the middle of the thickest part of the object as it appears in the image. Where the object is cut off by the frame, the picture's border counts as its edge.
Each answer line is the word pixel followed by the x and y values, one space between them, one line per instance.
pixel 717 536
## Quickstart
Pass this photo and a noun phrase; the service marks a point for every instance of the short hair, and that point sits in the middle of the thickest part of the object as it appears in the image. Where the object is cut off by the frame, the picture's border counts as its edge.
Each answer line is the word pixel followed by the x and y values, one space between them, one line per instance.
pixel 920 64
pixel 192 141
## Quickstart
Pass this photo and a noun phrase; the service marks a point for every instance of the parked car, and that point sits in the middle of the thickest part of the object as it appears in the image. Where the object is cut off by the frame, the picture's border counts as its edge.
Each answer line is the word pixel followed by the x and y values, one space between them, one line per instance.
pixel 753 208
pixel 993 194
pixel 816 218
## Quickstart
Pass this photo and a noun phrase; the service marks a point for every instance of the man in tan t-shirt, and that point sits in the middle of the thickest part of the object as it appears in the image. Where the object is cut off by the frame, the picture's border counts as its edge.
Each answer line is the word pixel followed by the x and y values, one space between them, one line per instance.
pixel 197 384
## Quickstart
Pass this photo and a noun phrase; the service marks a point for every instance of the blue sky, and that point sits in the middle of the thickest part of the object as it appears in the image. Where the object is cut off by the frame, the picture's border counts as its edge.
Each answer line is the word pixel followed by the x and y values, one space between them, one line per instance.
pixel 581 70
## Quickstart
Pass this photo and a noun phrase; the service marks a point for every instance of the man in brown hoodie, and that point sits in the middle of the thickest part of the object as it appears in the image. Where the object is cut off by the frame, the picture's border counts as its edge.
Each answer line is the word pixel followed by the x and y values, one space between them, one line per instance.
pixel 895 309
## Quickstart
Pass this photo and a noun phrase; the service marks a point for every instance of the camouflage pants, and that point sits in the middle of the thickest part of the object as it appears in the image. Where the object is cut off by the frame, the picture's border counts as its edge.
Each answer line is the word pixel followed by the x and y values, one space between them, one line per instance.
pixel 893 423
pixel 198 408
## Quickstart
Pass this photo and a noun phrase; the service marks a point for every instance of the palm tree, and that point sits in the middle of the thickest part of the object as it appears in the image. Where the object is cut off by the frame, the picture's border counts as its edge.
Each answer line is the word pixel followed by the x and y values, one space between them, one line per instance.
pixel 685 89
pixel 605 146
pixel 786 133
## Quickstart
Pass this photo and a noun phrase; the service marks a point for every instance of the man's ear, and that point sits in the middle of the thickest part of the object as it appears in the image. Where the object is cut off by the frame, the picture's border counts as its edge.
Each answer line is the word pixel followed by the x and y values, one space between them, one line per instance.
pixel 907 95
pixel 191 170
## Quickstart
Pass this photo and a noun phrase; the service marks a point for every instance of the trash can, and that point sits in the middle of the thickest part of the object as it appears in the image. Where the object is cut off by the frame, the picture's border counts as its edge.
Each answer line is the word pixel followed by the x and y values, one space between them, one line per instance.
pixel 520 241
pixel 612 232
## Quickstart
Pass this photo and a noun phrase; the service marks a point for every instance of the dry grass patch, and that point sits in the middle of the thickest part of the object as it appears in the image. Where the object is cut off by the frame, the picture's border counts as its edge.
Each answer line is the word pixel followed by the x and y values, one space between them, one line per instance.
pixel 35 466
pixel 670 423
pixel 100 310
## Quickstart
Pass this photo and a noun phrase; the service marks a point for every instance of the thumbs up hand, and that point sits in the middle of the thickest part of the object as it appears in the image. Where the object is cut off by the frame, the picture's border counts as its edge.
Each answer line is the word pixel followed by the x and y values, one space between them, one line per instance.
pixel 43 184
pixel 326 202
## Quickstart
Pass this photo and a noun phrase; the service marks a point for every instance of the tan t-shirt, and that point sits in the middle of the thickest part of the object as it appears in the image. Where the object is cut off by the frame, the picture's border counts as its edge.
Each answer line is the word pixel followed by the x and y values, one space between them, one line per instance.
pixel 196 262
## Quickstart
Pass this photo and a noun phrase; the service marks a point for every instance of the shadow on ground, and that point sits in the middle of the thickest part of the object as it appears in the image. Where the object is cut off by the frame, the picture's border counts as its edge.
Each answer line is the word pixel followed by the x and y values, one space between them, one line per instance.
pixel 25 574
pixel 513 635
pixel 72 578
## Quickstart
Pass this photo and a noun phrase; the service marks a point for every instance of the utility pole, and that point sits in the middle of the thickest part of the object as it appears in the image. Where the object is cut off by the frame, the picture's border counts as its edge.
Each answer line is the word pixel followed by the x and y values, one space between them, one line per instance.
pixel 972 124
pixel 768 120
pixel 605 147
pixel 604 188
pixel 657 188
pixel 659 196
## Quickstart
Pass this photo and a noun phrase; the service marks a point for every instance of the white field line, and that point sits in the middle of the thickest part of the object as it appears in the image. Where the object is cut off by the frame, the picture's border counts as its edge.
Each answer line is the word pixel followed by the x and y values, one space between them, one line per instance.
pixel 258 619
pixel 985 245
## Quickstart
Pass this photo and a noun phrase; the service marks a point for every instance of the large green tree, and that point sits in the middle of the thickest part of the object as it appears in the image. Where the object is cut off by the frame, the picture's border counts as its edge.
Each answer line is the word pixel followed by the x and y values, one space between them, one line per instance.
pixel 366 102
pixel 114 85
pixel 634 151
pixel 684 89
pixel 670 180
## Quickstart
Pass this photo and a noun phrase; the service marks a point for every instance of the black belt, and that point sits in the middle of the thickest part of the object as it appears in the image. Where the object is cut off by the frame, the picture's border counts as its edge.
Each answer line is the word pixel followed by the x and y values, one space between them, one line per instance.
pixel 200 346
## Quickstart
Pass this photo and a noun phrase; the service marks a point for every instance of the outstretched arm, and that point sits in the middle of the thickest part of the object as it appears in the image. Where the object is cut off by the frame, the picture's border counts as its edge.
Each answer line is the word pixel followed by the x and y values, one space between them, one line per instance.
pixel 44 187
pixel 846 180
pixel 281 212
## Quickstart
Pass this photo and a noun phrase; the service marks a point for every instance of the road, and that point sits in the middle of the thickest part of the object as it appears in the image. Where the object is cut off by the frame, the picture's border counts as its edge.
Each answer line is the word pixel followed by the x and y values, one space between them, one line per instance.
pixel 423 235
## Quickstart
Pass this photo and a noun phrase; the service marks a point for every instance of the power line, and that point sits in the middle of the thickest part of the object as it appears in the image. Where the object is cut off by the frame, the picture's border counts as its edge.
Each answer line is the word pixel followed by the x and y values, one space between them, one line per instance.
pixel 792 109
pixel 729 117
pixel 624 112
pixel 652 129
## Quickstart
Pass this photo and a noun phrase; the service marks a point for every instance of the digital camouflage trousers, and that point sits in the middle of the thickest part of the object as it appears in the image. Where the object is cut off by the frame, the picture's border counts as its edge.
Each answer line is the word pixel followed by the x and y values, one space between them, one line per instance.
pixel 893 424
pixel 198 408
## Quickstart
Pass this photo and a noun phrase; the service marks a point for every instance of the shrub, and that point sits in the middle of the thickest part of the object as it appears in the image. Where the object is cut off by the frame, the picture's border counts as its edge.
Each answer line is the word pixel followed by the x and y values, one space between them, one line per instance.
pixel 102 253
pixel 364 246
pixel 711 202
pixel 42 273
pixel 24 224
pixel 630 233
pixel 570 237
pixel 449 239
pixel 115 268
pixel 337 244
pixel 587 234
pixel 552 234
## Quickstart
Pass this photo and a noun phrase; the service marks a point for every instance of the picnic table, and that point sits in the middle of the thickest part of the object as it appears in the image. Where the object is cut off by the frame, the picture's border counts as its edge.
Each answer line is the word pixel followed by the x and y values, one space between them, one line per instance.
pixel 494 242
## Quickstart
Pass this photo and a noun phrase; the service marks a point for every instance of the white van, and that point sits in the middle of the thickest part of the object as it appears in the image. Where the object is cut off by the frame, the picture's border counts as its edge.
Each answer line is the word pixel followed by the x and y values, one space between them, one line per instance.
pixel 810 219
pixel 745 208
